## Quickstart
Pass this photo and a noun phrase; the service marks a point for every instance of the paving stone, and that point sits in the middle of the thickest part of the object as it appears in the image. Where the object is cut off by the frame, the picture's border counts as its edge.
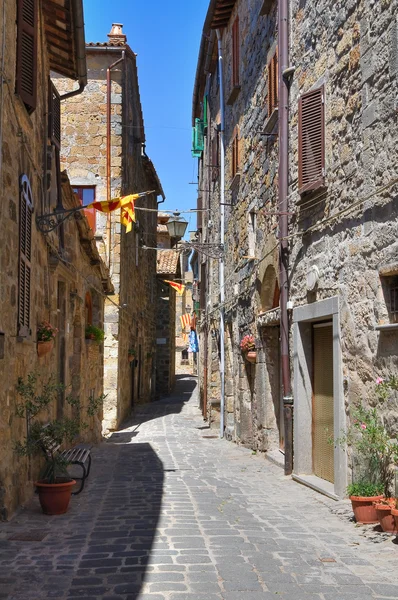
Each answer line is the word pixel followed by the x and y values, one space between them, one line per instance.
pixel 174 516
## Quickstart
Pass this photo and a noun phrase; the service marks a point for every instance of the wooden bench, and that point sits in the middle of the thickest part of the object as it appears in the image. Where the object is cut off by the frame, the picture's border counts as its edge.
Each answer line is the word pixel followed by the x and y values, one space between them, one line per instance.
pixel 78 455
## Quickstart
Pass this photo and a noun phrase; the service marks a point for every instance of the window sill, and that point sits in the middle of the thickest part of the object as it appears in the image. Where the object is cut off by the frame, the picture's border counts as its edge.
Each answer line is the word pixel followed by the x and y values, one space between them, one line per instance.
pixel 311 189
pixel 387 327
pixel 271 121
pixel 233 95
pixel 235 182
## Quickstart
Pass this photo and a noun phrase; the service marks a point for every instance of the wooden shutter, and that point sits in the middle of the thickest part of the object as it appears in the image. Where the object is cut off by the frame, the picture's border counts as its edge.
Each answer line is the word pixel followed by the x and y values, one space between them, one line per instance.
pixel 215 151
pixel 311 141
pixel 54 115
pixel 272 98
pixel 235 152
pixel 235 53
pixel 25 253
pixel 26 75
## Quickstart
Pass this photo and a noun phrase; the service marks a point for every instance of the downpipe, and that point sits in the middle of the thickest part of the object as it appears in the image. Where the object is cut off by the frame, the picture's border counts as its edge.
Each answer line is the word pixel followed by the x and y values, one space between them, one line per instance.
pixel 283 110
pixel 222 235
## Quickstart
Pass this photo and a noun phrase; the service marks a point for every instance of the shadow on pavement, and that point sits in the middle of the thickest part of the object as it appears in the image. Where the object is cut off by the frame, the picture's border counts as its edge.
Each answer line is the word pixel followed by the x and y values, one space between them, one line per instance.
pixel 101 547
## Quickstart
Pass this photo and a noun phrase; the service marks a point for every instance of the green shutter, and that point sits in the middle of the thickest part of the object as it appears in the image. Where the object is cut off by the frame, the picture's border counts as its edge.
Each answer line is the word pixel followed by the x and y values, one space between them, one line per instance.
pixel 198 138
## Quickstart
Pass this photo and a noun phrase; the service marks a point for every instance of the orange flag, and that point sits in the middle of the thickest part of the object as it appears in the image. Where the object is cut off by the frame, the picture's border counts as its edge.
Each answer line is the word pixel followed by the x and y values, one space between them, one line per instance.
pixel 178 287
pixel 125 203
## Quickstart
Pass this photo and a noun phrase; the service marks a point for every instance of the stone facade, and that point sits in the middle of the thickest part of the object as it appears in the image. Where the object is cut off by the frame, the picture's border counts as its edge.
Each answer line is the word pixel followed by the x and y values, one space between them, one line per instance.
pixel 167 267
pixel 64 268
pixel 342 238
pixel 130 312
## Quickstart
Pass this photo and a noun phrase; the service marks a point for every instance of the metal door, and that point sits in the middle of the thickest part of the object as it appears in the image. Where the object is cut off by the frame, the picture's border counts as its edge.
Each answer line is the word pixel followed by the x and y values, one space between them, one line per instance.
pixel 323 404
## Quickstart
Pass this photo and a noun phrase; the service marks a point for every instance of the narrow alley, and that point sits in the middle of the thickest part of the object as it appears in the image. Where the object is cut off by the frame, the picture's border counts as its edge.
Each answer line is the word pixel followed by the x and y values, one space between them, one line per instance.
pixel 171 512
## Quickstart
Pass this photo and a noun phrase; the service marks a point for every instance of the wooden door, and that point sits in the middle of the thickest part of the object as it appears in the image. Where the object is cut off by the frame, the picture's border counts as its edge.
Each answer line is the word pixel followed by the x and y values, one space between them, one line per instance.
pixel 323 404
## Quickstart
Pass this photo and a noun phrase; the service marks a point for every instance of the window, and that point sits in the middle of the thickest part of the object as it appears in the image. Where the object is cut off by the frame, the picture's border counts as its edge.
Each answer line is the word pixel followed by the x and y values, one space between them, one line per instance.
pixel 251 231
pixel 390 292
pixel 272 98
pixel 215 155
pixel 311 141
pixel 26 73
pixel 88 309
pixel 25 253
pixel 235 153
pixel 235 53
pixel 54 115
pixel 86 196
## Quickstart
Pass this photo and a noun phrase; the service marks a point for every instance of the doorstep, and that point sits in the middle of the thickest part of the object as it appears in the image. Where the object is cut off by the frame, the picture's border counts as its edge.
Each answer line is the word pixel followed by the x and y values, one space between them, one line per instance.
pixel 316 483
pixel 276 457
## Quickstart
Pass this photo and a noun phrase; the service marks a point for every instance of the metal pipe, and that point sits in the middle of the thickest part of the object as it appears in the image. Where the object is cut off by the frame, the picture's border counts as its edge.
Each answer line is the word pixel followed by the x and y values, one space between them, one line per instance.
pixel 222 233
pixel 108 151
pixel 283 110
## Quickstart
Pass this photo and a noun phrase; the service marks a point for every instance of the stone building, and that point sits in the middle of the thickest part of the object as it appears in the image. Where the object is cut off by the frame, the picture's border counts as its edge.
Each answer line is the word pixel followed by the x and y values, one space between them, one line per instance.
pixel 168 267
pixel 342 221
pixel 45 275
pixel 252 394
pixel 104 154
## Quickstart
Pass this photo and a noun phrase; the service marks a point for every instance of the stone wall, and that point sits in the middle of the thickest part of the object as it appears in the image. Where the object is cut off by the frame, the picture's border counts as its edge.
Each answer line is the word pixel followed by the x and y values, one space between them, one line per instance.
pixel 130 312
pixel 250 230
pixel 165 338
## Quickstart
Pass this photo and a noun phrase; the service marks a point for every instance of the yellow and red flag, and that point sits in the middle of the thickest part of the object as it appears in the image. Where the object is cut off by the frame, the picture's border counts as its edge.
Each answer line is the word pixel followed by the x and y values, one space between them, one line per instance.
pixel 178 287
pixel 125 203
pixel 185 320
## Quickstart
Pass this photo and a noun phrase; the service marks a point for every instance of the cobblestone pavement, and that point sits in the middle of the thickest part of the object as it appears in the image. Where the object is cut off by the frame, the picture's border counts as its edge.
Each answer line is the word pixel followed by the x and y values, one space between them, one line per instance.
pixel 171 512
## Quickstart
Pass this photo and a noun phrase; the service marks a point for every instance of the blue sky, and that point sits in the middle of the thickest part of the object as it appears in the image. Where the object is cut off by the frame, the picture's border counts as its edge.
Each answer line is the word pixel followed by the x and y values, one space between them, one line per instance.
pixel 166 36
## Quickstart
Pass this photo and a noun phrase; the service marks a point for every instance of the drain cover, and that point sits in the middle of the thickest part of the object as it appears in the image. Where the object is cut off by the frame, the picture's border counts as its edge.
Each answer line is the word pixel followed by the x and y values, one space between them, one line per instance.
pixel 29 536
pixel 210 437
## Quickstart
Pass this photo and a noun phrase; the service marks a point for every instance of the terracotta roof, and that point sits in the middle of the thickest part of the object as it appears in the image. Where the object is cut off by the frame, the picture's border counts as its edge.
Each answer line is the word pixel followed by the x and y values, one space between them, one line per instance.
pixel 167 262
pixel 106 45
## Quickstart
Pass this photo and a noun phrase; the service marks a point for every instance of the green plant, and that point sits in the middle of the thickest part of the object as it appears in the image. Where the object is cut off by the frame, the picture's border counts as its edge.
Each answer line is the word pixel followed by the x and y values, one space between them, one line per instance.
pixel 46 332
pixel 35 397
pixel 372 445
pixel 96 333
pixel 365 489
pixel 131 351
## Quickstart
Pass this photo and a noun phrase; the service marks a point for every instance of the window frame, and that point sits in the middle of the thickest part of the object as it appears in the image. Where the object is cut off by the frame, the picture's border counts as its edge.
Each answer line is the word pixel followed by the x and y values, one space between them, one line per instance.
pixel 273 83
pixel 90 213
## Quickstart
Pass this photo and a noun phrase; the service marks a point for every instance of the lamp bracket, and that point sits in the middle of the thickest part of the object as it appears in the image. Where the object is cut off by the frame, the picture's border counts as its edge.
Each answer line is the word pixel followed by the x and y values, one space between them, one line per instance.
pixel 49 222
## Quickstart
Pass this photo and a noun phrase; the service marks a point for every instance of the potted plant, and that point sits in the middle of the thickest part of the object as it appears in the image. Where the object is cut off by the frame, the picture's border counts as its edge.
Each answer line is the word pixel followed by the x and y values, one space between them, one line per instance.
pixel 376 454
pixel 131 354
pixel 248 347
pixel 54 485
pixel 363 495
pixel 45 338
pixel 94 333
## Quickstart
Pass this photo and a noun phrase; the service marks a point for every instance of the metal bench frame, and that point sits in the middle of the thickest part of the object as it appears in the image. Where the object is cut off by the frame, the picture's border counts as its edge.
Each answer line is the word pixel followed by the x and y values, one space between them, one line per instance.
pixel 74 456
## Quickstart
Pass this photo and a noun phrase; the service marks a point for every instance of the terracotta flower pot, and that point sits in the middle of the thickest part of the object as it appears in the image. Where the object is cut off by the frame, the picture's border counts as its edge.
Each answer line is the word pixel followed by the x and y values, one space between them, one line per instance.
pixel 130 357
pixel 385 517
pixel 44 347
pixel 54 497
pixel 251 356
pixel 364 510
pixel 394 513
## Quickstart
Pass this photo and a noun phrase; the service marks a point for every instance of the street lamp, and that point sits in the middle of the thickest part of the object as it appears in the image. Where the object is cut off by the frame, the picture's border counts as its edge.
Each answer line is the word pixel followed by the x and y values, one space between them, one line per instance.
pixel 176 226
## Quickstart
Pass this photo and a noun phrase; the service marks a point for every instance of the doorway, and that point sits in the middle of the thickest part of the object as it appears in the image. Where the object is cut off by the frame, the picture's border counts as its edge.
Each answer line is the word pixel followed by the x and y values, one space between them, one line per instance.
pixel 322 401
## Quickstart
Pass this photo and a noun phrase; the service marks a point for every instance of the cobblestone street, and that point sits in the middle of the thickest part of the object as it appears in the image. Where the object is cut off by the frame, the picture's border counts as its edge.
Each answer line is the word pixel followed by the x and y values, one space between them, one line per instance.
pixel 171 512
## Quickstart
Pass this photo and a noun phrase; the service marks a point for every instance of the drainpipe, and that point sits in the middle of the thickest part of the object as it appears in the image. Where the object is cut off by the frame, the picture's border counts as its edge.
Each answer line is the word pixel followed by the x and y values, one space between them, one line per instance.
pixel 108 150
pixel 222 233
pixel 283 110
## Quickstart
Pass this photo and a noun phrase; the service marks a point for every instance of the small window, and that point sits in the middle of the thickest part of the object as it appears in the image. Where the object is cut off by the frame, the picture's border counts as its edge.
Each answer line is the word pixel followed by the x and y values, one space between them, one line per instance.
pixel 235 53
pixel 25 253
pixel 311 141
pixel 390 292
pixel 252 227
pixel 235 152
pixel 54 115
pixel 88 309
pixel 215 155
pixel 26 72
pixel 272 98
pixel 86 196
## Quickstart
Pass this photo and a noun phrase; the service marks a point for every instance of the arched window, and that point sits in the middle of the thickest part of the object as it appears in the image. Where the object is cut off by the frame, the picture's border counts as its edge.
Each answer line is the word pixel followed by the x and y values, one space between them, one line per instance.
pixel 269 294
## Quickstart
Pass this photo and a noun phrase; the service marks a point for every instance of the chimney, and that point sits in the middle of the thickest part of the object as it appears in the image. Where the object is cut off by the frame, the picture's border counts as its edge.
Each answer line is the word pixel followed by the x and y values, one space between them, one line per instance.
pixel 116 35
